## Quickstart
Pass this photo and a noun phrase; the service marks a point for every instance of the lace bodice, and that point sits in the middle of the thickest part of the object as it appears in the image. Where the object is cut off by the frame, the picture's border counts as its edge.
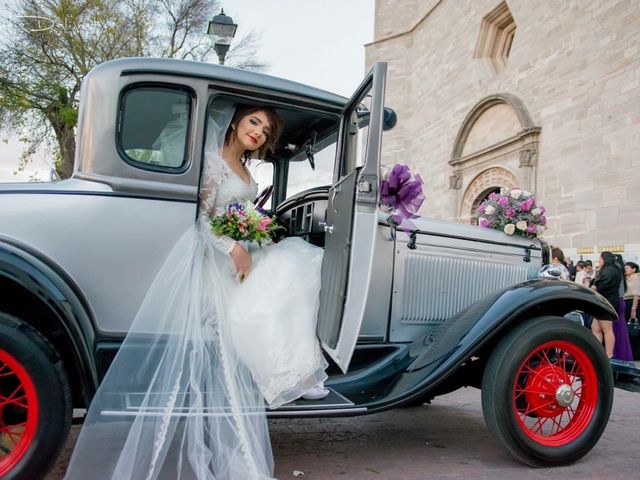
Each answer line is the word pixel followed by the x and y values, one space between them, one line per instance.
pixel 220 187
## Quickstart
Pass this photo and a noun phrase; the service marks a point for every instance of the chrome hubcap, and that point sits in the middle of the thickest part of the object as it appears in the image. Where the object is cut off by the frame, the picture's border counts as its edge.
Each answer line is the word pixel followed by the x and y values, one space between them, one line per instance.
pixel 565 395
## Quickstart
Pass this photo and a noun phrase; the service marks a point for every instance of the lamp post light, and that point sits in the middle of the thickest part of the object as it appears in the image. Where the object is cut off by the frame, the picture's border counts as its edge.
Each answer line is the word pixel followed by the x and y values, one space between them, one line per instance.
pixel 222 29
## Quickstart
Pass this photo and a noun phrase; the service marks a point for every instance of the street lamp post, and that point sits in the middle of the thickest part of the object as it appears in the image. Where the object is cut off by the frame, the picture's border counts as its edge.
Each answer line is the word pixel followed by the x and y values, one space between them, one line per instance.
pixel 222 29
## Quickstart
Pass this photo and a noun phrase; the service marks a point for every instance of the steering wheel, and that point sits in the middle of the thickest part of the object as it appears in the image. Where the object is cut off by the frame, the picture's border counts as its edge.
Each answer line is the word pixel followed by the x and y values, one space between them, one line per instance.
pixel 263 196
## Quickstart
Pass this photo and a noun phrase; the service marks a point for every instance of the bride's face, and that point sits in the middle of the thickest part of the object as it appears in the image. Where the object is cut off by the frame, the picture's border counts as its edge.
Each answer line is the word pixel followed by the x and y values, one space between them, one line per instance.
pixel 253 130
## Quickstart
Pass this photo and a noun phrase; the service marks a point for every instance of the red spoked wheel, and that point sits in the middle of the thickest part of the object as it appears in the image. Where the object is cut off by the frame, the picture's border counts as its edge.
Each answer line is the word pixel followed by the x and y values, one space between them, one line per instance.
pixel 556 393
pixel 18 412
pixel 547 391
pixel 33 384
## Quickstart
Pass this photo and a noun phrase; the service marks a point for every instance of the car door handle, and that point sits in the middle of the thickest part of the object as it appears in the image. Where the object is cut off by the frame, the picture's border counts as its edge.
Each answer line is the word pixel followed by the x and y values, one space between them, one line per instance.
pixel 327 228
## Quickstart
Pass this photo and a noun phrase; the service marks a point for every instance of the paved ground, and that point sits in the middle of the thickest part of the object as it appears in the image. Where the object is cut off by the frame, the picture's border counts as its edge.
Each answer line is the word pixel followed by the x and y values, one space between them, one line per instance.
pixel 445 440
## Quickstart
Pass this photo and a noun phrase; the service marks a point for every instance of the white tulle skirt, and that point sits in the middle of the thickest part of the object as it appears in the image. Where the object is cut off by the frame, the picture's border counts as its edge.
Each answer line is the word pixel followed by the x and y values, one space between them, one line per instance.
pixel 185 396
pixel 273 319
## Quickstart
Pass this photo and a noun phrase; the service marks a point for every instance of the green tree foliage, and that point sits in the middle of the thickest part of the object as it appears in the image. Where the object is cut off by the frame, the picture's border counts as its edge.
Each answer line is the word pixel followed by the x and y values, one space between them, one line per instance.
pixel 51 45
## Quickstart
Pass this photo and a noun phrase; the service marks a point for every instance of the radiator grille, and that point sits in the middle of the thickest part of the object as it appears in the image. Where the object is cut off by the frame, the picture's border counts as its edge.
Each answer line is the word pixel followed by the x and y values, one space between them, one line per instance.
pixel 436 288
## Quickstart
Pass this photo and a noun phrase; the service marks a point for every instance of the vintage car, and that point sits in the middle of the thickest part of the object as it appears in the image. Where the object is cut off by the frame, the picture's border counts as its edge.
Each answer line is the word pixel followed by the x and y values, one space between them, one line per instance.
pixel 407 312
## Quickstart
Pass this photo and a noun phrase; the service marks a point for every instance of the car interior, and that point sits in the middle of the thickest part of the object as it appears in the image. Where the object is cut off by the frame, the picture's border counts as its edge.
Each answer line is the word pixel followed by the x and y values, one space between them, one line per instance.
pixel 295 162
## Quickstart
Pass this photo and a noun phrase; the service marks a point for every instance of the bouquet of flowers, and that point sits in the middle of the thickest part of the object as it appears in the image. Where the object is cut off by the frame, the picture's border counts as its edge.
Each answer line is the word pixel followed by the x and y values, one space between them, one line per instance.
pixel 400 193
pixel 244 222
pixel 513 211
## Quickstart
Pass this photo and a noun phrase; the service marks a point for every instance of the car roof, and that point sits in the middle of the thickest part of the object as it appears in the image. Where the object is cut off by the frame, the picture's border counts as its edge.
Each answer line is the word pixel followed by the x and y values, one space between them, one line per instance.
pixel 224 73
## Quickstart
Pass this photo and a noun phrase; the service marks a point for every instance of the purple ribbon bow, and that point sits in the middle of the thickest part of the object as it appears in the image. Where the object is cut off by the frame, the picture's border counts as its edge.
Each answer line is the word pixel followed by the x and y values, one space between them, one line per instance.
pixel 402 193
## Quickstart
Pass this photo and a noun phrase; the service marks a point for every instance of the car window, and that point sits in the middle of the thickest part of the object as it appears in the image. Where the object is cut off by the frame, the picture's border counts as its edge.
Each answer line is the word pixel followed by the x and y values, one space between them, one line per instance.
pixel 358 134
pixel 262 173
pixel 154 127
pixel 302 177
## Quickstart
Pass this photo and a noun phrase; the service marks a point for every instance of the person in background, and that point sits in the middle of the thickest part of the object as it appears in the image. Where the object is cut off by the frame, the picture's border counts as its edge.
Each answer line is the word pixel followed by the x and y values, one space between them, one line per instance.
pixel 580 272
pixel 579 267
pixel 571 267
pixel 557 256
pixel 587 276
pixel 607 284
pixel 622 348
pixel 582 279
pixel 632 293
pixel 632 297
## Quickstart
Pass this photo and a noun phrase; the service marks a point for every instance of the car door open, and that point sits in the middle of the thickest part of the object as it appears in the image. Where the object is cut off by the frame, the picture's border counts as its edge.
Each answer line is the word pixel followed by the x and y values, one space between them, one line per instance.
pixel 351 220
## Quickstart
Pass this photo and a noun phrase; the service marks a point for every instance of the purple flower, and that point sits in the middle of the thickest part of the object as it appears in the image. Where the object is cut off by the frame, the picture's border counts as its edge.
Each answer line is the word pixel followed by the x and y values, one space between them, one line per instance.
pixel 482 207
pixel 235 207
pixel 401 192
pixel 493 196
pixel 510 212
pixel 484 222
pixel 542 210
pixel 532 229
pixel 527 204
pixel 503 201
pixel 543 221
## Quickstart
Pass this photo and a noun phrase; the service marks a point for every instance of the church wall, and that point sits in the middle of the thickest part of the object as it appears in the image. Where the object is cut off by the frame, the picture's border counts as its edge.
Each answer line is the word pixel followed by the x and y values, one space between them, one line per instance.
pixel 576 68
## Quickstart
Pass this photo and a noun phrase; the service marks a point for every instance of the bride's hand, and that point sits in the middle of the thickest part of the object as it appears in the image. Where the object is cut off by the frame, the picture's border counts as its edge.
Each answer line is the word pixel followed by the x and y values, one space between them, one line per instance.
pixel 241 260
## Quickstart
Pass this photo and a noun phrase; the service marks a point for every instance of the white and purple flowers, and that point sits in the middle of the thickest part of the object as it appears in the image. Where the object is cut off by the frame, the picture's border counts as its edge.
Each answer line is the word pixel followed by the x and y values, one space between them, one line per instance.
pixel 513 211
pixel 244 222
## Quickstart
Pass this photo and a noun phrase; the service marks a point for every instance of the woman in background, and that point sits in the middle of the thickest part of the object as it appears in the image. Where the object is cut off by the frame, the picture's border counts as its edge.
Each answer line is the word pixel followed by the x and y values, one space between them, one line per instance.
pixel 622 348
pixel 632 293
pixel 607 284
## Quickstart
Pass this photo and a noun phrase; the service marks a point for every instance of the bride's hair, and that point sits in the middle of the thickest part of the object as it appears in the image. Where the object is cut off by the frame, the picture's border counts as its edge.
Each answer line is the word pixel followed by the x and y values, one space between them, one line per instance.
pixel 276 128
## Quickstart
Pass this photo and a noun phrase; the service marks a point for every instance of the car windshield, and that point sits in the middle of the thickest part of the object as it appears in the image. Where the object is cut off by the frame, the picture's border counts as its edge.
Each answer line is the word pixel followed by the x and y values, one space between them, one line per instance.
pixel 302 177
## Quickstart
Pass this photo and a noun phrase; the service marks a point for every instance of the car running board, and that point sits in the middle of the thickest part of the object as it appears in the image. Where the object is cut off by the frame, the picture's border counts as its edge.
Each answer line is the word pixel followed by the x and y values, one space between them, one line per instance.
pixel 300 407
pixel 332 403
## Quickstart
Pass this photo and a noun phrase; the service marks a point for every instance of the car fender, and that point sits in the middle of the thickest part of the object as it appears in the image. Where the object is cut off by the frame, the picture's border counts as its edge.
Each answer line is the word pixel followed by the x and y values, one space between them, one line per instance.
pixel 435 357
pixel 32 271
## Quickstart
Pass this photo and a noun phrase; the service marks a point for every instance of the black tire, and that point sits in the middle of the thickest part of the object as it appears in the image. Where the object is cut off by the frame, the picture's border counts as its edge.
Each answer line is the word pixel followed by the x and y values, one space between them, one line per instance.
pixel 33 368
pixel 520 373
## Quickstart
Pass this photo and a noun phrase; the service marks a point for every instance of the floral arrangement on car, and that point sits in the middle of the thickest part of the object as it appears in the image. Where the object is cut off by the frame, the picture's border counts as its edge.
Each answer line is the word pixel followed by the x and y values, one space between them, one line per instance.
pixel 244 222
pixel 514 211
pixel 400 193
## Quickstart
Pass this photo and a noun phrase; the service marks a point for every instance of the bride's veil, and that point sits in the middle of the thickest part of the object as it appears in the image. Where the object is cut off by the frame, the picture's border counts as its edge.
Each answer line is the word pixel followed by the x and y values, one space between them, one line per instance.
pixel 177 403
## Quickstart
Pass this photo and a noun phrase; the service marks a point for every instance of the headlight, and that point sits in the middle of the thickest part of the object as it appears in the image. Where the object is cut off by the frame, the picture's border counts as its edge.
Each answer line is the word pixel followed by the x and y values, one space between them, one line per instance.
pixel 556 271
pixel 576 316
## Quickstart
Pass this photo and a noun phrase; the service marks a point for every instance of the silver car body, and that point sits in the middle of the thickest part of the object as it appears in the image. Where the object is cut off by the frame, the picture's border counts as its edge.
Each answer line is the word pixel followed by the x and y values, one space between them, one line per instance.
pixel 110 227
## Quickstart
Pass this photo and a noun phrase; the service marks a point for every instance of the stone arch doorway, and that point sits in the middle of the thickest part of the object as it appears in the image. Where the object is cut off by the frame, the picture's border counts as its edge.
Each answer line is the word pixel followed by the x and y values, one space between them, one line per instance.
pixel 490 180
pixel 498 133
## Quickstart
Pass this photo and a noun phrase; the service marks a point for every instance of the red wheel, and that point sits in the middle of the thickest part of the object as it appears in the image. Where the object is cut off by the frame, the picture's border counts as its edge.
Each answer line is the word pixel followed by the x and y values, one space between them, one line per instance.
pixel 547 392
pixel 18 412
pixel 35 401
pixel 560 389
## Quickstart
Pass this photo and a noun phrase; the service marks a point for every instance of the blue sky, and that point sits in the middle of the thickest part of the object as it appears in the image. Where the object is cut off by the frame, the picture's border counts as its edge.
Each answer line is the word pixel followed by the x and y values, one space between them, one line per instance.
pixel 320 43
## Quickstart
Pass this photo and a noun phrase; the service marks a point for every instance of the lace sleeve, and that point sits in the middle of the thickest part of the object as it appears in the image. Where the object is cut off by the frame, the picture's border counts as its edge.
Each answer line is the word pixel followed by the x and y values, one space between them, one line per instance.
pixel 208 195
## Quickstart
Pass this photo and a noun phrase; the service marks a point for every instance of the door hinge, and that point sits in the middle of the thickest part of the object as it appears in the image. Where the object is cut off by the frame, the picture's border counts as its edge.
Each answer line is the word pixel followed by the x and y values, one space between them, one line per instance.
pixel 364 186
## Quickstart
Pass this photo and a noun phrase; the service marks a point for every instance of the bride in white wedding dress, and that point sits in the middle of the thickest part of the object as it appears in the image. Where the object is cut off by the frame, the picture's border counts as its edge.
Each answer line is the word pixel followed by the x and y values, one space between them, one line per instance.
pixel 220 331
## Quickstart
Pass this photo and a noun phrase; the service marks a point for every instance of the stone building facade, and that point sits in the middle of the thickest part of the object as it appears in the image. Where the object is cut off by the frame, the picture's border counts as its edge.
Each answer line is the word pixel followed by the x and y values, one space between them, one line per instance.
pixel 540 94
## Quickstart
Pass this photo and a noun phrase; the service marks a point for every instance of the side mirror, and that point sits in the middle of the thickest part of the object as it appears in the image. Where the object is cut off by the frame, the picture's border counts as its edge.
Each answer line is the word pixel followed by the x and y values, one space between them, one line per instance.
pixel 390 119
